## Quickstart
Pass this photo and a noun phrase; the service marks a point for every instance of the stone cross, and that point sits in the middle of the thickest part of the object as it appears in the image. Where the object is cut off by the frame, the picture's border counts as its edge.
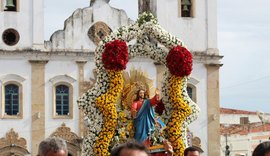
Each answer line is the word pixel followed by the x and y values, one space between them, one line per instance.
pixel 147 6
pixel 92 2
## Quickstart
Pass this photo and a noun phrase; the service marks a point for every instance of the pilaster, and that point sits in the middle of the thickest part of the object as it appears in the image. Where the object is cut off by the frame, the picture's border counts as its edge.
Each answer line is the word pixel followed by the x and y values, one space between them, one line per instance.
pixel 213 109
pixel 81 91
pixel 37 103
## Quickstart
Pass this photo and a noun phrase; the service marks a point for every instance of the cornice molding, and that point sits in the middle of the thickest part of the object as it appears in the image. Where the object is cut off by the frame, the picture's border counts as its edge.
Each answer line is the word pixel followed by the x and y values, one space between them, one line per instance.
pixel 48 55
pixel 198 56
pixel 62 78
pixel 12 77
pixel 206 58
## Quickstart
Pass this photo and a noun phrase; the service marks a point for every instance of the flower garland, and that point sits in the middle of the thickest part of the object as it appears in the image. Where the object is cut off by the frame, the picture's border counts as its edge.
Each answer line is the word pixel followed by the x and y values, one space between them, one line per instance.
pixel 180 111
pixel 179 61
pixel 194 111
pixel 115 56
pixel 106 104
pixel 111 56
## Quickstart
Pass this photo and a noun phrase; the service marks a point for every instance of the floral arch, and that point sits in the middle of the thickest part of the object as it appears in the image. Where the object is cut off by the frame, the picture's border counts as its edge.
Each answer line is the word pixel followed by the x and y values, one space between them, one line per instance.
pixel 111 56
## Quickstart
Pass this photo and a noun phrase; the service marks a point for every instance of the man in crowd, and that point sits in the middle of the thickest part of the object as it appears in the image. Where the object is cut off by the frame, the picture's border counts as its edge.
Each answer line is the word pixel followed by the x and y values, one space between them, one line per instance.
pixel 263 149
pixel 191 151
pixel 53 147
pixel 133 148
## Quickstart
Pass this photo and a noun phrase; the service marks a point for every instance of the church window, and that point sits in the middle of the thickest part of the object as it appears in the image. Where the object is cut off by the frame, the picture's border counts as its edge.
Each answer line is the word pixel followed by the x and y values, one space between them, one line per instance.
pixel 191 90
pixel 12 100
pixel 63 100
pixel 186 8
pixel 10 37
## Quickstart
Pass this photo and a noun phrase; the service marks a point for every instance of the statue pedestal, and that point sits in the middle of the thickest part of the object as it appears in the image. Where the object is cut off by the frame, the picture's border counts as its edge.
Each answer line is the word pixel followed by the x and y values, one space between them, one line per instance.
pixel 158 154
pixel 157 150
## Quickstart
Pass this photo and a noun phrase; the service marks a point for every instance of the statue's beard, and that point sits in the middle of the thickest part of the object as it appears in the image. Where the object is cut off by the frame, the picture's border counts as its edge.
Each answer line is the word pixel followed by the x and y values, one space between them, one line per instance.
pixel 141 97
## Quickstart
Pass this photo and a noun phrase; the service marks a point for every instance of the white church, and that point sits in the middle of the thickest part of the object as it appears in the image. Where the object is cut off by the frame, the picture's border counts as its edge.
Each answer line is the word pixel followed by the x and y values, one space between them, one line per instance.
pixel 41 81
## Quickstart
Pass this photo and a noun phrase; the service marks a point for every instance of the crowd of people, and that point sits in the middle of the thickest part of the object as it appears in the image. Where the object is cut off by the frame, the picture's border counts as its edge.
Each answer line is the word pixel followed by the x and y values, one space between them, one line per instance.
pixel 54 146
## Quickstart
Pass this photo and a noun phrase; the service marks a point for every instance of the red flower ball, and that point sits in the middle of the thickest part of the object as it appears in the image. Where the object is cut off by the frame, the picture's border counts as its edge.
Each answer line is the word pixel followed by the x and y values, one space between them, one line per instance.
pixel 179 61
pixel 115 55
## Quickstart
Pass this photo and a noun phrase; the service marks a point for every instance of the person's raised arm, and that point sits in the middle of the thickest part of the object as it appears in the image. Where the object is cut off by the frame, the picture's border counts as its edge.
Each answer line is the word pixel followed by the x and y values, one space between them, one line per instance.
pixel 168 147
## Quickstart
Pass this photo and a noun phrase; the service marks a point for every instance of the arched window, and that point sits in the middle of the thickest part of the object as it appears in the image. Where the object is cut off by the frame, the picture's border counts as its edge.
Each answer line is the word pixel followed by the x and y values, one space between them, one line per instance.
pixel 62 100
pixel 191 90
pixel 12 100
pixel 62 96
pixel 11 96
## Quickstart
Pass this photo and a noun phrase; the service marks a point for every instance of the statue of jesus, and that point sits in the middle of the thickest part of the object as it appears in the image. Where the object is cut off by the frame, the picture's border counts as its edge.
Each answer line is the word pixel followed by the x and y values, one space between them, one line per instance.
pixel 144 116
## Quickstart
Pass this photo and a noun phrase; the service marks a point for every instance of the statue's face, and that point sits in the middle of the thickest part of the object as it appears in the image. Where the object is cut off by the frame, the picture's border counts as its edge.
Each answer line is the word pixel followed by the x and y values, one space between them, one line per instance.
pixel 141 94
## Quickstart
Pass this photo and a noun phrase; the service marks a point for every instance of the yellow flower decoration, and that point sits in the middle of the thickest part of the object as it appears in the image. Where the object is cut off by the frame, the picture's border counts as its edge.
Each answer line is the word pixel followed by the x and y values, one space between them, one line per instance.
pixel 106 105
pixel 180 112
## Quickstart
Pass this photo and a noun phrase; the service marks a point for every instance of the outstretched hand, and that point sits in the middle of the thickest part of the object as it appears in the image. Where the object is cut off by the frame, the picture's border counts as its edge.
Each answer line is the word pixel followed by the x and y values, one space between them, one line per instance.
pixel 157 92
pixel 168 147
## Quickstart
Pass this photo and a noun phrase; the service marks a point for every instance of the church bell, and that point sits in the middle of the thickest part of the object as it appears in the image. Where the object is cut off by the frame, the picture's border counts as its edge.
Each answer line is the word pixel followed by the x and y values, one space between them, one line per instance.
pixel 185 4
pixel 10 4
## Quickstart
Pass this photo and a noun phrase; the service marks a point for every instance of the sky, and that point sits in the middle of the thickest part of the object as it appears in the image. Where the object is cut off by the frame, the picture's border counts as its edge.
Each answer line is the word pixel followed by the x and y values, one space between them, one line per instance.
pixel 243 39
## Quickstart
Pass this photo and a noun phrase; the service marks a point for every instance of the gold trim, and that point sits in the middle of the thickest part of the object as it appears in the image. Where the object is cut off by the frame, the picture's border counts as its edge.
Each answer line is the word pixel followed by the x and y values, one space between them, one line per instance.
pixel 12 139
pixel 134 80
pixel 73 140
pixel 13 145
pixel 65 132
pixel 20 115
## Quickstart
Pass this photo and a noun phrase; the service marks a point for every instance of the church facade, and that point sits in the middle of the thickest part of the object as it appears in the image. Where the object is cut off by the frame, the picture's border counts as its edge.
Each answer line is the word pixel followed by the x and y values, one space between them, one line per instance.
pixel 40 81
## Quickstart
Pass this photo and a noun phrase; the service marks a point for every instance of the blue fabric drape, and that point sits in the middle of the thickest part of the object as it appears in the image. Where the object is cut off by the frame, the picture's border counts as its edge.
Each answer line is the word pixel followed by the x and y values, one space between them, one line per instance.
pixel 144 122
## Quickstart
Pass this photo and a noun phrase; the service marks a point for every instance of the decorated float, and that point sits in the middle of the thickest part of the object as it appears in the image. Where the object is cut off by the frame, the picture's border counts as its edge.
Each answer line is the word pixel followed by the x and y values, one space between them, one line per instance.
pixel 107 104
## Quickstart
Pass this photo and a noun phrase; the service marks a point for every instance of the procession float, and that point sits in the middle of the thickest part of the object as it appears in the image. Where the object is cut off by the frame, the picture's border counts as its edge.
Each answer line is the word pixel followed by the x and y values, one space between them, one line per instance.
pixel 107 105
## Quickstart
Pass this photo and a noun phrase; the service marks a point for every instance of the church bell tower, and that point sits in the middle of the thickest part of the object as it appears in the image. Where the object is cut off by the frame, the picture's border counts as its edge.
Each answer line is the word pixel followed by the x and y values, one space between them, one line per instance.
pixel 22 24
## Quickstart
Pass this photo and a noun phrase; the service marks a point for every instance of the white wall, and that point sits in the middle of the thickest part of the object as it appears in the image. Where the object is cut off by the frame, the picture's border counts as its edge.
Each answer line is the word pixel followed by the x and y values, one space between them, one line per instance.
pixel 191 31
pixel 199 126
pixel 21 126
pixel 74 36
pixel 55 68
pixel 235 118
